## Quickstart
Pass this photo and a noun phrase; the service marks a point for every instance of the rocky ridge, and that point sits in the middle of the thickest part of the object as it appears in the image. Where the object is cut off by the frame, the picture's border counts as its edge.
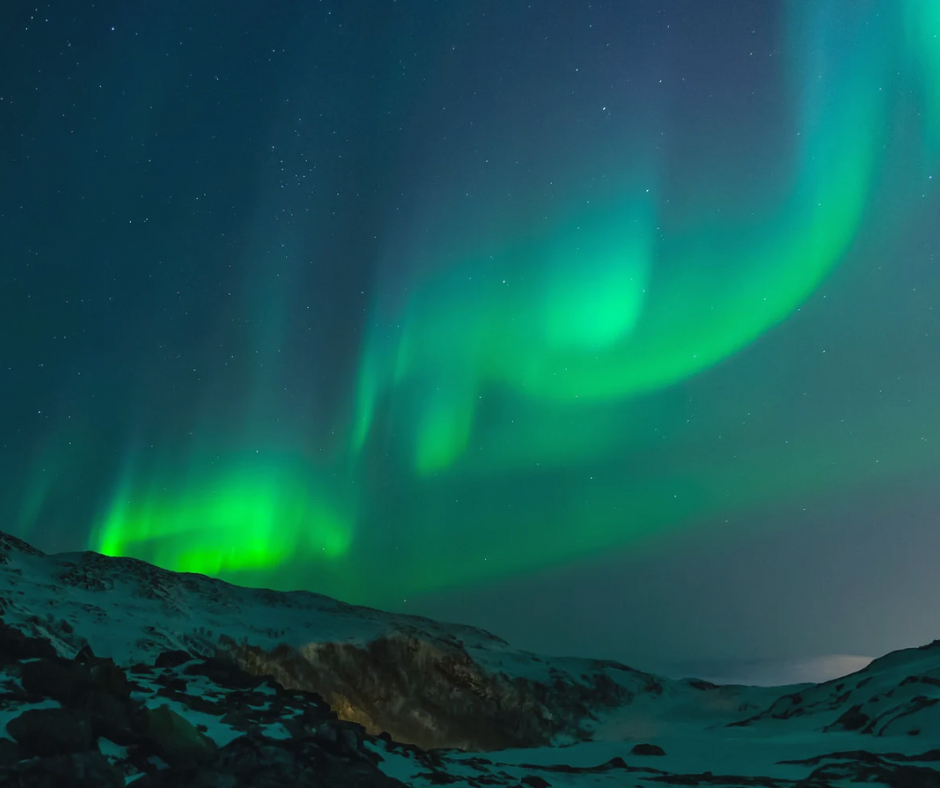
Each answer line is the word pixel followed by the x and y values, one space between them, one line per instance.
pixel 182 721
pixel 114 672
pixel 424 682
pixel 898 694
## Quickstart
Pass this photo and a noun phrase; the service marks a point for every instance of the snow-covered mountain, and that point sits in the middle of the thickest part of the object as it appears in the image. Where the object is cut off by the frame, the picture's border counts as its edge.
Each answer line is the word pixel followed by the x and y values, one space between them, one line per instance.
pixel 124 672
pixel 896 695
pixel 426 683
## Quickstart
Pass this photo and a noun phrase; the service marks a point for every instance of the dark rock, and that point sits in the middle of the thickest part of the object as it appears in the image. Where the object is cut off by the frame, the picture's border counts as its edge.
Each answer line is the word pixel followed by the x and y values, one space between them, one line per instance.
pixel 844 755
pixel 172 659
pixel 11 544
pixel 853 719
pixel 255 762
pixel 535 781
pixel 237 718
pixel 348 740
pixel 14 646
pixel 108 677
pixel 46 732
pixel 56 678
pixel 561 768
pixel 435 695
pixel 647 749
pixel 173 683
pixel 702 685
pixel 223 671
pixel 875 770
pixel 141 668
pixel 76 770
pixel 9 753
pixel 319 711
pixel 67 680
pixel 910 777
pixel 350 735
pixel 110 718
pixel 85 654
pixel 177 740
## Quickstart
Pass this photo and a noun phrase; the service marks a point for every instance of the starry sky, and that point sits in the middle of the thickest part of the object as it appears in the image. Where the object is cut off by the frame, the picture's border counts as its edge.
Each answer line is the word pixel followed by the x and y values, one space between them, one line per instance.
pixel 611 327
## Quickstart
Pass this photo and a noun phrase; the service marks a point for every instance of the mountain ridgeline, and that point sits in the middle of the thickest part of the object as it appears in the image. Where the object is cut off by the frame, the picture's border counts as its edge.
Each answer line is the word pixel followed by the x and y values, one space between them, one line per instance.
pixel 117 671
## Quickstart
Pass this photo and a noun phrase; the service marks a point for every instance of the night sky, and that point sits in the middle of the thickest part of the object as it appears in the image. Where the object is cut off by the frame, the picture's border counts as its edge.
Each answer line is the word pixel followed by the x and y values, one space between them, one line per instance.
pixel 613 327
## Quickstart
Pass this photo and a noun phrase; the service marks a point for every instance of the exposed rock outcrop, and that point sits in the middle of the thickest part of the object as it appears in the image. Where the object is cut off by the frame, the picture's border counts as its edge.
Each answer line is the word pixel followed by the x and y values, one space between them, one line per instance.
pixel 434 694
pixel 647 749
pixel 424 682
pixel 88 722
pixel 207 685
pixel 898 694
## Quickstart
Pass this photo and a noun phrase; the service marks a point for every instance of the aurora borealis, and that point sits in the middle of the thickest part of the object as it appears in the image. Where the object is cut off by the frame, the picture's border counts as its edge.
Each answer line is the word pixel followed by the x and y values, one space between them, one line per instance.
pixel 403 302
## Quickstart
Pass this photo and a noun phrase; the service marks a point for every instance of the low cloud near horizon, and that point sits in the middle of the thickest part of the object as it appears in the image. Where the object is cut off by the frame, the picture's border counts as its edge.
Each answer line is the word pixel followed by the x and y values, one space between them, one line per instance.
pixel 769 672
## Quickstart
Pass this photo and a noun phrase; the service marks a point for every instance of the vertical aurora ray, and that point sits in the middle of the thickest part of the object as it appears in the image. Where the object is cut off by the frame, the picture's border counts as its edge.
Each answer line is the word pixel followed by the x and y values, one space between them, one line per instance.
pixel 922 39
pixel 580 291
pixel 605 310
pixel 254 515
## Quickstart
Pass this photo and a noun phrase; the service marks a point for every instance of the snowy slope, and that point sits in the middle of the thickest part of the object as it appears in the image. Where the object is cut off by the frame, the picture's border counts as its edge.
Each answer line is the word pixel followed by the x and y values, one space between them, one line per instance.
pixel 544 721
pixel 447 685
pixel 896 695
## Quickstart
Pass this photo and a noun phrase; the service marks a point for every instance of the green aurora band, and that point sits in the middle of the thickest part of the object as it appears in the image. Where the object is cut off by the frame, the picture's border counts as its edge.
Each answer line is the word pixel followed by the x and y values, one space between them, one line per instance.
pixel 565 327
pixel 279 518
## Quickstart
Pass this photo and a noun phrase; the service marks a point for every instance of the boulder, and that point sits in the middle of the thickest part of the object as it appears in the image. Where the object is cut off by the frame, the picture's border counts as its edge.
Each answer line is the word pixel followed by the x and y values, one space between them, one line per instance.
pixel 534 781
pixel 256 762
pixel 223 671
pixel 9 753
pixel 120 722
pixel 177 740
pixel 14 646
pixel 852 720
pixel 47 732
pixel 56 678
pixel 108 677
pixel 647 749
pixel 172 658
pixel 75 770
